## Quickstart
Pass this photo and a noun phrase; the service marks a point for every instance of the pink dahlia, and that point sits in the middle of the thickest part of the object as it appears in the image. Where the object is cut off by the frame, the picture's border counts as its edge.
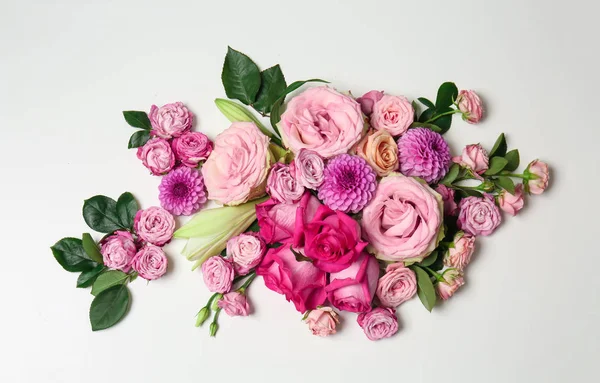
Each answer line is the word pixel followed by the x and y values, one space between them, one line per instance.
pixel 423 153
pixel 349 183
pixel 182 191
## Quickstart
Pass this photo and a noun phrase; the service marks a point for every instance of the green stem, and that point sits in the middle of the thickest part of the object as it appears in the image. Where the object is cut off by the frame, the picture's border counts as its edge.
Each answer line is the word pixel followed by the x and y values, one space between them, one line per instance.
pixel 248 281
pixel 508 174
pixel 442 115
pixel 437 275
pixel 210 301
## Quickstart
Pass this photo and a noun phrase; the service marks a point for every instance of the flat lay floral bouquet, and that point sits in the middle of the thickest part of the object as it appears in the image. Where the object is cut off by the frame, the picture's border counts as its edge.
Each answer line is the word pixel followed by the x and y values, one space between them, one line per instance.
pixel 343 204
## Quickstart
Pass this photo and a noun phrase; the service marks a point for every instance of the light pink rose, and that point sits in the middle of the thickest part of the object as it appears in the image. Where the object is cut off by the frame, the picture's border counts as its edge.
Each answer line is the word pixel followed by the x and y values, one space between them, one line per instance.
pixel 380 151
pixel 118 251
pixel 352 289
pixel 170 120
pixel 282 185
pixel 539 175
pixel 452 281
pixel 191 148
pixel 459 256
pixel 478 216
pixel 157 156
pixel 469 104
pixel 393 113
pixel 379 323
pixel 473 157
pixel 246 252
pixel 154 225
pixel 322 120
pixel 512 203
pixel 368 100
pixel 403 220
pixel 234 304
pixel 236 171
pixel 309 168
pixel 450 206
pixel 218 274
pixel 150 262
pixel 397 285
pixel 322 321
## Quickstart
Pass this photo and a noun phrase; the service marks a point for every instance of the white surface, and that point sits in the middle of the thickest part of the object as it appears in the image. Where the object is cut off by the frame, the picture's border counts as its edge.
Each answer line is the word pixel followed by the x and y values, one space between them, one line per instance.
pixel 530 310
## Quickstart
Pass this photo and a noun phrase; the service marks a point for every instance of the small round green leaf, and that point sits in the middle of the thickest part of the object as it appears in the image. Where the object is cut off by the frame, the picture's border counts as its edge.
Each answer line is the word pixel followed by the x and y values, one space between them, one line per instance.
pixel 109 307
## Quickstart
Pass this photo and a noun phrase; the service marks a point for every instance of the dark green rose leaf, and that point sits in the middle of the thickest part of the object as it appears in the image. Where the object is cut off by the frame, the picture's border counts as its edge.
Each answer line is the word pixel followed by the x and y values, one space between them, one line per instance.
pixel 127 207
pixel 426 102
pixel 499 148
pixel 443 122
pixel 86 278
pixel 137 119
pixel 497 164
pixel 505 183
pixel 425 289
pixel 69 253
pixel 430 260
pixel 426 115
pixel 272 87
pixel 109 307
pixel 240 76
pixel 100 214
pixel 451 175
pixel 138 139
pixel 433 127
pixel 447 94
pixel 513 159
pixel 91 248
pixel 469 193
pixel 107 280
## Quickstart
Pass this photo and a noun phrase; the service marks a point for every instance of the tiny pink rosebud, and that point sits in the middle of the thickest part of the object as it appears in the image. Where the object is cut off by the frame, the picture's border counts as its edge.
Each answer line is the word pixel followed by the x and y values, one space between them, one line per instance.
pixel 459 255
pixel 368 100
pixel 538 175
pixel 452 281
pixel 512 203
pixel 322 321
pixel 470 105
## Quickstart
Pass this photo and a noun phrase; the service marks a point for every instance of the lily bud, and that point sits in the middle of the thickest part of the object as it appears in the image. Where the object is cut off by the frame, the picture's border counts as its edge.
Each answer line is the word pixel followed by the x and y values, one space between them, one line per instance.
pixel 214 327
pixel 202 316
pixel 236 113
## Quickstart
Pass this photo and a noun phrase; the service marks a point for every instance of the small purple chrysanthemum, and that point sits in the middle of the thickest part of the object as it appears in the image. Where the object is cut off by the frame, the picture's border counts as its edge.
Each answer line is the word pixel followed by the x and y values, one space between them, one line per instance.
pixel 182 191
pixel 423 153
pixel 349 183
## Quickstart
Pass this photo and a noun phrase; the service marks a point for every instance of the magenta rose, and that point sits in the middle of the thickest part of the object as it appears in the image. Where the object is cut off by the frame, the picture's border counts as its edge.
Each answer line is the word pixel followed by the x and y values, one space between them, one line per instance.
pixel 322 120
pixel 154 225
pixel 150 262
pixel 379 323
pixel 245 251
pixel 459 255
pixel 157 156
pixel 470 105
pixel 450 206
pixel 512 203
pixel 473 157
pixel 218 274
pixel 368 100
pixel 118 251
pixel 308 169
pixel 299 281
pixel 352 289
pixel 170 120
pixel 322 321
pixel 478 216
pixel 191 148
pixel 282 185
pixel 397 285
pixel 453 279
pixel 234 304
pixel 331 239
pixel 538 175
pixel 393 113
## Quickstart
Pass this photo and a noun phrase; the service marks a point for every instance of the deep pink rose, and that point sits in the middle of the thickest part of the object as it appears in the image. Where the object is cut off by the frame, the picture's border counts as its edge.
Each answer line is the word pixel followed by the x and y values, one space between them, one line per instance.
pixel 234 304
pixel 191 148
pixel 393 113
pixel 283 185
pixel 150 262
pixel 322 120
pixel 459 256
pixel 478 216
pixel 277 220
pixel 322 321
pixel 218 274
pixel 299 281
pixel 352 289
pixel 245 251
pixel 512 203
pixel 453 279
pixel 170 120
pixel 473 157
pixel 309 168
pixel 379 323
pixel 403 220
pixel 118 251
pixel 450 206
pixel 539 175
pixel 157 156
pixel 368 100
pixel 331 239
pixel 397 285
pixel 470 105
pixel 154 225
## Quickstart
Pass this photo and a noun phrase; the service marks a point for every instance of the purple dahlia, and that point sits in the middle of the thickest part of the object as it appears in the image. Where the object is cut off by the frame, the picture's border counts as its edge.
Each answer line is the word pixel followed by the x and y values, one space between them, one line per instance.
pixel 182 191
pixel 349 183
pixel 423 153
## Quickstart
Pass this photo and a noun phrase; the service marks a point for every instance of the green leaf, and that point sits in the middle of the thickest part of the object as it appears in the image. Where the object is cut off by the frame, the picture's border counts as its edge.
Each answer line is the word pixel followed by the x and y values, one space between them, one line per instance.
pixel 109 307
pixel 297 84
pixel 138 139
pixel 425 288
pixel 443 122
pixel 497 164
pixel 107 280
pixel 272 87
pixel 433 127
pixel 276 109
pixel 100 214
pixel 86 278
pixel 426 102
pixel 513 159
pixel 426 115
pixel 235 112
pixel 430 260
pixel 137 119
pixel 127 207
pixel 69 253
pixel 447 94
pixel 506 183
pixel 499 148
pixel 469 193
pixel 254 227
pixel 451 175
pixel 240 76
pixel 299 256
pixel 91 249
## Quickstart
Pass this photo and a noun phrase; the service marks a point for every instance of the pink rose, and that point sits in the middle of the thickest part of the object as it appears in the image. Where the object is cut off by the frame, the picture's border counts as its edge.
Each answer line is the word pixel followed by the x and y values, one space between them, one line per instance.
pixel 150 262
pixel 538 177
pixel 380 150
pixel 299 281
pixel 157 156
pixel 379 323
pixel 322 120
pixel 118 251
pixel 473 157
pixel 368 100
pixel 331 239
pixel 403 220
pixel 170 120
pixel 246 252
pixel 277 220
pixel 459 256
pixel 154 225
pixel 393 113
pixel 478 216
pixel 352 289
pixel 452 281
pixel 469 104
pixel 282 185
pixel 191 148
pixel 322 321
pixel 236 171
pixel 397 285
pixel 309 168
pixel 234 304
pixel 512 203
pixel 218 274
pixel 450 206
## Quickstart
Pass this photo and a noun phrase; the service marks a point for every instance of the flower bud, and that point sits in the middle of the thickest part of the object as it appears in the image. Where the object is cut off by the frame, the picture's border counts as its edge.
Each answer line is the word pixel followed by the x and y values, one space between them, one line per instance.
pixel 237 113
pixel 214 326
pixel 202 316
pixel 215 302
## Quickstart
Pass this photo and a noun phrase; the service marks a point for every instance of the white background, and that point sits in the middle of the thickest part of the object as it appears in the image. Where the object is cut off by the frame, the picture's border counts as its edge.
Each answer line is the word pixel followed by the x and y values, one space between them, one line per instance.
pixel 530 310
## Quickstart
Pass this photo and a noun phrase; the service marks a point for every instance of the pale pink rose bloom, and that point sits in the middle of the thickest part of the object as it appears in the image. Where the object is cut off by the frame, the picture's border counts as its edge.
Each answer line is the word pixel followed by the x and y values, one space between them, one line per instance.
pixel 322 321
pixel 218 274
pixel 478 216
pixel 470 105
pixel 473 157
pixel 542 175
pixel 459 256
pixel 150 262
pixel 353 288
pixel 368 100
pixel 397 285
pixel 154 225
pixel 309 168
pixel 283 185
pixel 245 251
pixel 453 279
pixel 512 203
pixel 450 206
pixel 170 120
pixel 157 156
pixel 118 251
pixel 234 304
pixel 393 113
pixel 191 148
pixel 379 323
